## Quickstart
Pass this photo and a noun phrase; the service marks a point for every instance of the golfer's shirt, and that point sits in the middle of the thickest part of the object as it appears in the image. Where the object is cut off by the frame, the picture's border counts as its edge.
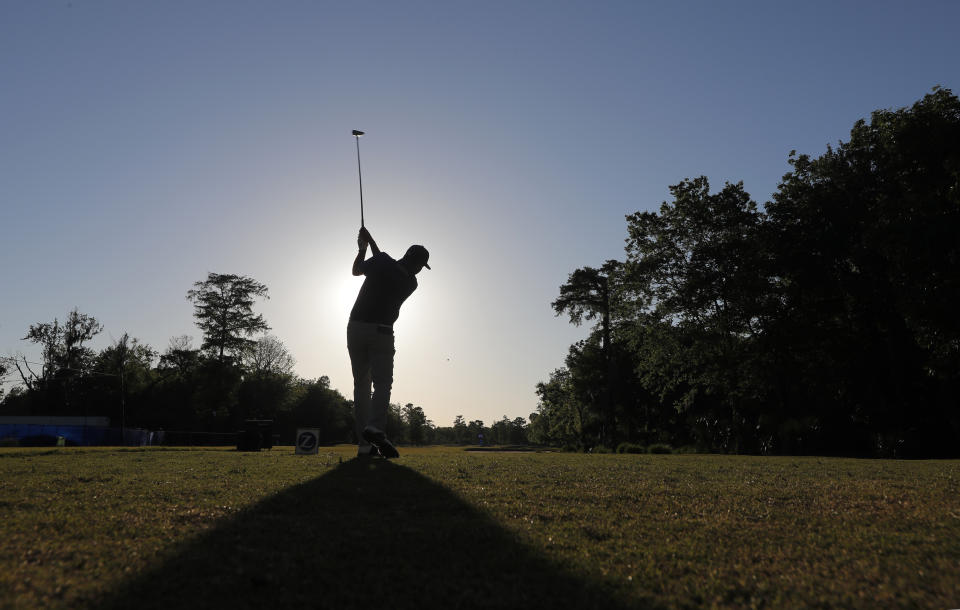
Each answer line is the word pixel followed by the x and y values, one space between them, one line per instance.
pixel 386 286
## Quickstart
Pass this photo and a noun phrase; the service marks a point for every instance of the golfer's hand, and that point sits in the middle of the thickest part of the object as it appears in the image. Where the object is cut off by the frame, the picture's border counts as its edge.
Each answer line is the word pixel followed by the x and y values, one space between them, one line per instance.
pixel 365 239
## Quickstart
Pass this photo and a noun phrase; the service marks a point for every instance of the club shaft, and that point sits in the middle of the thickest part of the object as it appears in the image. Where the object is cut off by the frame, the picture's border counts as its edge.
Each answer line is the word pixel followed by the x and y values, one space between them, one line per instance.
pixel 360 177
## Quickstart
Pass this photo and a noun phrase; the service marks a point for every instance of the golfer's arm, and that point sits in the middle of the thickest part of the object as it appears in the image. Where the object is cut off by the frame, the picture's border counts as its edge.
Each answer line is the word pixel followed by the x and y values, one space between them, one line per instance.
pixel 373 247
pixel 359 261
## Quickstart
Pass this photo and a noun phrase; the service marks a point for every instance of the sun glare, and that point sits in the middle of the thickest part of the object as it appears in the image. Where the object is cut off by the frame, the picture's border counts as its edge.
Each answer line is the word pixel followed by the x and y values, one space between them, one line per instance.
pixel 341 294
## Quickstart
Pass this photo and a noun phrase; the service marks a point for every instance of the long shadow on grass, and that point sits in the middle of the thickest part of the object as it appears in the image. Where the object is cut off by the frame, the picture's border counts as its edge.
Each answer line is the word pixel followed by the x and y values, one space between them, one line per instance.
pixel 370 535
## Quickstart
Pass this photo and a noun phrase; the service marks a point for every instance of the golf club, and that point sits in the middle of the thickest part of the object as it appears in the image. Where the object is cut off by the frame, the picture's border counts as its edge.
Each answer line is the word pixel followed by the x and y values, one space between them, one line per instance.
pixel 356 135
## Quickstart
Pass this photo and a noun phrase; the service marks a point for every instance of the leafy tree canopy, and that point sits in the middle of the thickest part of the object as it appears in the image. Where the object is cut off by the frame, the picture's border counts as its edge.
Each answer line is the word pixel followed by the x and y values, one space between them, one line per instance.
pixel 223 308
pixel 822 322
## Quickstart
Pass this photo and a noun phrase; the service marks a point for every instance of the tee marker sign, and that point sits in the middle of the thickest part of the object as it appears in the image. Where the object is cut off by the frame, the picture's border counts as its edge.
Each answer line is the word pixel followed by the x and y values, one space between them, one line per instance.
pixel 308 440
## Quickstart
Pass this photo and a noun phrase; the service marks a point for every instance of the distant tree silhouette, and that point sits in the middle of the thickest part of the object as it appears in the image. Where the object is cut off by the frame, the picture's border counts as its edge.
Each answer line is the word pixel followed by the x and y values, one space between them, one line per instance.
pixel 53 388
pixel 270 355
pixel 460 429
pixel 180 356
pixel 416 424
pixel 509 432
pixel 223 308
pixel 560 414
pixel 314 404
pixel 125 371
pixel 186 389
pixel 62 348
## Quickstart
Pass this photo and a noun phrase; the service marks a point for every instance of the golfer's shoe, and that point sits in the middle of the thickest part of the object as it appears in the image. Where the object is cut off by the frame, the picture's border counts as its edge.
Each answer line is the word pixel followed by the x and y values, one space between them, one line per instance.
pixel 378 439
pixel 369 452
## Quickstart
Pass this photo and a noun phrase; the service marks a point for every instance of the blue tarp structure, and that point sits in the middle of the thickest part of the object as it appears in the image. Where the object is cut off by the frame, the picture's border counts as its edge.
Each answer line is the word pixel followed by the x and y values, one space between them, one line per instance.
pixel 83 431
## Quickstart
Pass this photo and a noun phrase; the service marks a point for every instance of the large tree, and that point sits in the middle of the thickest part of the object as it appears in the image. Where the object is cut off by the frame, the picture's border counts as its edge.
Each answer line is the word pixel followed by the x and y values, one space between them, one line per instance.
pixel 823 323
pixel 223 308
pixel 868 264
pixel 589 294
pixel 63 351
pixel 698 267
pixel 54 387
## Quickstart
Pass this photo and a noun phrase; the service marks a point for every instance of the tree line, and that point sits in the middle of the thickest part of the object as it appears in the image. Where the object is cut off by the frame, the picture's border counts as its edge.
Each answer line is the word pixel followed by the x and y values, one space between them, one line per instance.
pixel 822 322
pixel 238 372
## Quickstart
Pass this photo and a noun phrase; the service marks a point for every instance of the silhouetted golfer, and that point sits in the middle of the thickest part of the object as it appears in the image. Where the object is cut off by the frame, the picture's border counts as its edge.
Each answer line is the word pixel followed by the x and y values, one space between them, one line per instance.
pixel 387 285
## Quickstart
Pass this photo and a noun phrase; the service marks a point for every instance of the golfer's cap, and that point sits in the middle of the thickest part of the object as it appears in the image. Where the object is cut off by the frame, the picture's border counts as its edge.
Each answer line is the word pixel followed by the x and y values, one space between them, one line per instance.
pixel 418 254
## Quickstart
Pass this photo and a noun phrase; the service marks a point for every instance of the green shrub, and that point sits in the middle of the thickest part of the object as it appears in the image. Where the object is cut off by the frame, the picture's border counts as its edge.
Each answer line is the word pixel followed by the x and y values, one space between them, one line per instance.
pixel 601 449
pixel 630 448
pixel 659 448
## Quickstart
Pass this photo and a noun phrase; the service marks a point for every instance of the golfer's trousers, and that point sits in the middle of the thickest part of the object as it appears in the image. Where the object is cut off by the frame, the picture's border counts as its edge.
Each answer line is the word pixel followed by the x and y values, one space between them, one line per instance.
pixel 371 350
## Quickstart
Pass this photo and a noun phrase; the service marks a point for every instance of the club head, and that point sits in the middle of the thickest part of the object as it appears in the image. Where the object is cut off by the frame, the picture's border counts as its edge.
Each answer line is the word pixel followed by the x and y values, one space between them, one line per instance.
pixel 357 133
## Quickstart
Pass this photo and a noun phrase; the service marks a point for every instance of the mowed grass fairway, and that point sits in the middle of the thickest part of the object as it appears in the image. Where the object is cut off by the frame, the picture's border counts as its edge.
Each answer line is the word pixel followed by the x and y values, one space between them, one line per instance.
pixel 447 528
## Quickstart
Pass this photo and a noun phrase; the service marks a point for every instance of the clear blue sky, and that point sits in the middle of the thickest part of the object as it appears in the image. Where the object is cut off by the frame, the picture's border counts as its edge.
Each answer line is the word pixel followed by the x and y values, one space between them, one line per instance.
pixel 145 144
